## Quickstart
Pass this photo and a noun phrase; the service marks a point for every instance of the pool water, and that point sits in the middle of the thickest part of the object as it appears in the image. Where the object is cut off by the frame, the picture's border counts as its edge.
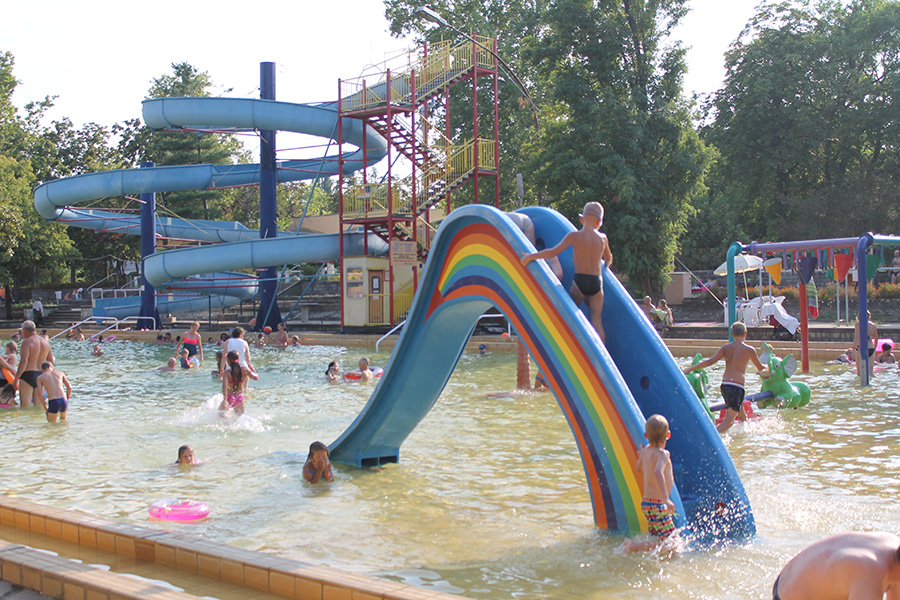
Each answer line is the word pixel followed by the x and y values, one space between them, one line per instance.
pixel 489 499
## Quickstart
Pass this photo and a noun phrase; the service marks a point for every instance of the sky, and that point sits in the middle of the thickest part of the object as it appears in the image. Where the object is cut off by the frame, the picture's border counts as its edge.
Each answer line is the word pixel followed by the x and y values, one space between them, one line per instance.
pixel 99 56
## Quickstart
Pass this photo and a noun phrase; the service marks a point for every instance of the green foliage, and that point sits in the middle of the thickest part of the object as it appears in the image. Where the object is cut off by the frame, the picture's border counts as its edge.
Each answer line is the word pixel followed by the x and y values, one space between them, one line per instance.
pixel 806 123
pixel 616 128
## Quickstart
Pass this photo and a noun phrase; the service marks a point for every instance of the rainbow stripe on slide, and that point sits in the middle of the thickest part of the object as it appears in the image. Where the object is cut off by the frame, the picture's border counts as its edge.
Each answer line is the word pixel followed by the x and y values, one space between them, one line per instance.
pixel 480 262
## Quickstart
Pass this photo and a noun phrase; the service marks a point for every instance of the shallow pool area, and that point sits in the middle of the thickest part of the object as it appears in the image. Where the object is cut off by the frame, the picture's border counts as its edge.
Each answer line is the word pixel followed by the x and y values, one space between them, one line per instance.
pixel 489 498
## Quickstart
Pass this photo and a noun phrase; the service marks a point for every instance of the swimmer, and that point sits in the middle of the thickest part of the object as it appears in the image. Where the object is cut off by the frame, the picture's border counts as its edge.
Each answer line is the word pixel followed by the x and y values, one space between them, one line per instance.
pixel 186 457
pixel 260 341
pixel 482 349
pixel 216 372
pixel 295 340
pixel 170 366
pixel 8 396
pixel 590 251
pixel 363 365
pixel 281 336
pixel 12 356
pixel 333 373
pixel 872 331
pixel 96 351
pixel 52 382
pixel 886 357
pixel 237 343
pixel 864 565
pixel 540 385
pixel 234 384
pixel 187 361
pixel 318 465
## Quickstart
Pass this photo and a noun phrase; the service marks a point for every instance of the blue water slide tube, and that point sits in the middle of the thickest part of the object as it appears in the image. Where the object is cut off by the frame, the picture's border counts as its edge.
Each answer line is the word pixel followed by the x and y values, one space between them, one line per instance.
pixel 241 247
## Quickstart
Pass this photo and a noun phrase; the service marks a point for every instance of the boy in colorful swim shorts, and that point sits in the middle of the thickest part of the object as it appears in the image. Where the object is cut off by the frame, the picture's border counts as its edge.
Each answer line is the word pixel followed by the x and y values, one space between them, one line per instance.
pixel 737 355
pixel 655 464
pixel 590 249
pixel 53 382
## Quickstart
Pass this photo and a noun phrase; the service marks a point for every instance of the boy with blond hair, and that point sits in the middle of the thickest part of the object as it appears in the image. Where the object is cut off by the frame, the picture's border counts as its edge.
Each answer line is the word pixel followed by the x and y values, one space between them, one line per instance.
pixel 590 249
pixel 655 465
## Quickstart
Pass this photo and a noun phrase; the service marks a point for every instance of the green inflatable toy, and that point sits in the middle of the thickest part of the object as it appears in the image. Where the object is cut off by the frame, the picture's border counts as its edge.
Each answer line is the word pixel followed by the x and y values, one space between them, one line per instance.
pixel 699 380
pixel 785 393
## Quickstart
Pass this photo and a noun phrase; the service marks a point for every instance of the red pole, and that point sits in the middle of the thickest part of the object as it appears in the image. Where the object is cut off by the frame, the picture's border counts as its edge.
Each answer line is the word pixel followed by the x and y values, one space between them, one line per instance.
pixel 804 329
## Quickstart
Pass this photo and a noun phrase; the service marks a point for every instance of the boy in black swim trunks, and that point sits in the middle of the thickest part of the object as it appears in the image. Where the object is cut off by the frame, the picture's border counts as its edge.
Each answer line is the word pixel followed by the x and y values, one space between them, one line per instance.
pixel 737 355
pixel 590 249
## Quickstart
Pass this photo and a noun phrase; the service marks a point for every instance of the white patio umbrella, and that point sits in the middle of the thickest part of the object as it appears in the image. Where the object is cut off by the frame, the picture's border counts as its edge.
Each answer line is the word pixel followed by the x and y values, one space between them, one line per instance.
pixel 742 264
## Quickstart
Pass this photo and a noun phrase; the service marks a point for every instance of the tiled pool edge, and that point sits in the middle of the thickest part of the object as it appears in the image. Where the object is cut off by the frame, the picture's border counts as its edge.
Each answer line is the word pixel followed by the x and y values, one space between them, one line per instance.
pixel 62 578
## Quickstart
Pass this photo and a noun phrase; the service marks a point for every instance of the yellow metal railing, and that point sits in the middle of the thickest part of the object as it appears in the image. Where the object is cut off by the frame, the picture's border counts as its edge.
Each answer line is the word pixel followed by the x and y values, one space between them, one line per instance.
pixel 359 95
pixel 402 303
pixel 431 73
pixel 487 154
pixel 371 200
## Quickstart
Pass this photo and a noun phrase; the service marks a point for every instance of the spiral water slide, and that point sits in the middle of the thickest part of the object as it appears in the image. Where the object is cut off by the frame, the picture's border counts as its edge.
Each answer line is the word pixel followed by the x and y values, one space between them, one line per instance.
pixel 605 392
pixel 195 278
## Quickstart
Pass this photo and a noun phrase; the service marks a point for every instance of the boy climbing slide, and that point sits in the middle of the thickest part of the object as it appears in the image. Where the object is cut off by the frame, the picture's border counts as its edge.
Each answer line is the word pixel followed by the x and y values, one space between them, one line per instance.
pixel 590 249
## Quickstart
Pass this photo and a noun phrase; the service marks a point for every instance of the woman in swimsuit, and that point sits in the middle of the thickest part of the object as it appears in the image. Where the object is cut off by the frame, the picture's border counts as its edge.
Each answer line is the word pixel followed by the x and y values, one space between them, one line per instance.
pixel 234 383
pixel 191 342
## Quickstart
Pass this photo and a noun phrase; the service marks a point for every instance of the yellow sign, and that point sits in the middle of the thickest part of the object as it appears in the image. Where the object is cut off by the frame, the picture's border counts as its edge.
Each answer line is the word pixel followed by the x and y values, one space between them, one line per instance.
pixel 403 253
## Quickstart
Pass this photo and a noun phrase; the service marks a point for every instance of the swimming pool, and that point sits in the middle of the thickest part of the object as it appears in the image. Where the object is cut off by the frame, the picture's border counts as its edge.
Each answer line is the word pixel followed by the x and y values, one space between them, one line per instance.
pixel 489 499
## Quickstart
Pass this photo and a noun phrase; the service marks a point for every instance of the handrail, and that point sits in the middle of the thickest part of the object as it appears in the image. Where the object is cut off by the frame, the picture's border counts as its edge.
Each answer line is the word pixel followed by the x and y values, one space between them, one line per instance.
pixel 484 316
pixel 392 330
pixel 117 321
pixel 116 324
pixel 101 281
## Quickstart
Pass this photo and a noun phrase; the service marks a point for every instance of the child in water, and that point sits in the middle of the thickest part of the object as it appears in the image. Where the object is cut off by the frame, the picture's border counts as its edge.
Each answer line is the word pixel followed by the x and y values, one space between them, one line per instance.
pixel 58 389
pixel 333 373
pixel 655 464
pixel 186 457
pixel 318 465
pixel 8 396
pixel 234 384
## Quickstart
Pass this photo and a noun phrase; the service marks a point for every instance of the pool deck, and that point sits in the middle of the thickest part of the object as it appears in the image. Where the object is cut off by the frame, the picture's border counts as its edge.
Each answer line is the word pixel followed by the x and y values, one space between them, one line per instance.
pixel 71 555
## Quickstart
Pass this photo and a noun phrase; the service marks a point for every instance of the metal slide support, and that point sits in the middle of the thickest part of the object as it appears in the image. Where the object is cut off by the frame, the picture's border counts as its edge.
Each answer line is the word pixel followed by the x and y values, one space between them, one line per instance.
pixel 149 312
pixel 863 357
pixel 268 314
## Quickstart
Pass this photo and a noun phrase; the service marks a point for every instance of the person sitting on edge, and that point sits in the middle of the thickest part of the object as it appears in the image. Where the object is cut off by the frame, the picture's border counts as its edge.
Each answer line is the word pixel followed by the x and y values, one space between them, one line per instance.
pixel 318 465
pixel 857 566
pixel 655 465
pixel 365 370
pixel 170 366
pixel 590 249
pixel 886 357
pixel 647 307
pixel 53 382
pixel 737 355
pixel 186 457
pixel 873 339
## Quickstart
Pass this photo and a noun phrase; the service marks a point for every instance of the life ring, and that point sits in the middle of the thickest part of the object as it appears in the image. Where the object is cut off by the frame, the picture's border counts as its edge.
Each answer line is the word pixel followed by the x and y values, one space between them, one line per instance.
pixel 178 510
pixel 109 338
pixel 8 375
pixel 356 375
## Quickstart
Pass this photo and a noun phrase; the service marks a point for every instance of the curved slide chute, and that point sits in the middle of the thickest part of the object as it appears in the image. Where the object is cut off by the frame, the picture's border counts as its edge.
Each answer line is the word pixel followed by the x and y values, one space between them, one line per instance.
pixel 474 264
pixel 239 246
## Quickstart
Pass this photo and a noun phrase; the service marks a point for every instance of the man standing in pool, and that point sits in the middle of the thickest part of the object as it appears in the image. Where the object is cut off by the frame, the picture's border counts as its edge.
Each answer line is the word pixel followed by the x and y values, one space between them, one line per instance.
pixel 858 566
pixel 590 249
pixel 35 350
pixel 737 355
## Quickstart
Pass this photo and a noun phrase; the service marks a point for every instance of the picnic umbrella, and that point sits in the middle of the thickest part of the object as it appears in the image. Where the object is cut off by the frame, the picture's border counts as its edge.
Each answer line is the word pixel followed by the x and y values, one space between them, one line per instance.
pixel 742 264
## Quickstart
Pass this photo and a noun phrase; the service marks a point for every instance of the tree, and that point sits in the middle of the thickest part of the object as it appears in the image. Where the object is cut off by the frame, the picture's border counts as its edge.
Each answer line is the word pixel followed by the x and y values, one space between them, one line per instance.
pixel 807 122
pixel 616 128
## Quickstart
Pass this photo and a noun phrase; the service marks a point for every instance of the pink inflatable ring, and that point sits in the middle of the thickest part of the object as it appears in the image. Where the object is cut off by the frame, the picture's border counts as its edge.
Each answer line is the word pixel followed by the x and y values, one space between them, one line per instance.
pixel 178 510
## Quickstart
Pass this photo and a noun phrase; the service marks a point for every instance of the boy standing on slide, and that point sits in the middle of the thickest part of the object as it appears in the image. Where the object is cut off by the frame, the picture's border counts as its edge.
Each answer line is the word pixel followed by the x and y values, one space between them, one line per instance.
pixel 590 249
